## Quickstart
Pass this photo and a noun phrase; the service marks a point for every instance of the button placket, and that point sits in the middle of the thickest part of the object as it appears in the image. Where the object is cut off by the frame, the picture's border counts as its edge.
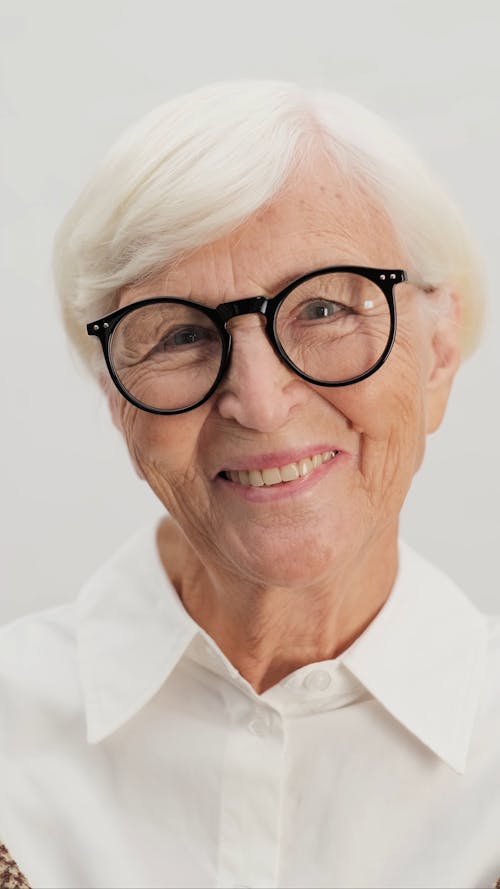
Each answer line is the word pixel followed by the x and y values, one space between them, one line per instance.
pixel 251 798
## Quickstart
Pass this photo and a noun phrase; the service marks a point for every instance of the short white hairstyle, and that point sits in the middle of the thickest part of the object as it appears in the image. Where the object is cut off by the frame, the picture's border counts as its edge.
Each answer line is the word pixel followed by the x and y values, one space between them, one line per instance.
pixel 197 167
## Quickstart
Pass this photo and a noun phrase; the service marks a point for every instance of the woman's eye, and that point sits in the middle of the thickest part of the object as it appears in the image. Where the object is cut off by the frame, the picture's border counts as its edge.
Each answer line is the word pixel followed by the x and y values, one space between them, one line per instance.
pixel 321 308
pixel 186 336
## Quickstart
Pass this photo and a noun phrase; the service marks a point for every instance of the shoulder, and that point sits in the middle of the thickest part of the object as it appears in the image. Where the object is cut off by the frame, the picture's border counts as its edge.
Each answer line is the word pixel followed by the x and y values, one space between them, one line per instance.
pixel 42 637
pixel 486 734
pixel 492 671
pixel 44 654
pixel 493 621
pixel 38 669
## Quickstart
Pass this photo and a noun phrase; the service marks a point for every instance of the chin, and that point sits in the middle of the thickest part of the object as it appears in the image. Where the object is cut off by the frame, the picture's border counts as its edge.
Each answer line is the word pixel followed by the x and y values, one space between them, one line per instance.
pixel 287 560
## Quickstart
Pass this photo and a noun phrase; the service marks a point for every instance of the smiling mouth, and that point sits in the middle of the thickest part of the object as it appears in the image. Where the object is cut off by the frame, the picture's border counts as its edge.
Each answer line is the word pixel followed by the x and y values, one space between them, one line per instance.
pixel 258 478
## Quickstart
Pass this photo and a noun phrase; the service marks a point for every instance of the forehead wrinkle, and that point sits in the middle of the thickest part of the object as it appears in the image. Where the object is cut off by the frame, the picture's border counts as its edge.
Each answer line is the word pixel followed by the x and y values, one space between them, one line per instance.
pixel 223 270
pixel 320 222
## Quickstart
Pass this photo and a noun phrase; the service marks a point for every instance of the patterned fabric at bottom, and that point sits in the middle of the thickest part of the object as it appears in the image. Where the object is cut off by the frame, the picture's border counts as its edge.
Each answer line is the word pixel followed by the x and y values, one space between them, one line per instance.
pixel 10 875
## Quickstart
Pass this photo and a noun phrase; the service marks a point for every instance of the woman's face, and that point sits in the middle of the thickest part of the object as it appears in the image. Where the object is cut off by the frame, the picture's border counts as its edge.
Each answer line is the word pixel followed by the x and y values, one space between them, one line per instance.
pixel 263 416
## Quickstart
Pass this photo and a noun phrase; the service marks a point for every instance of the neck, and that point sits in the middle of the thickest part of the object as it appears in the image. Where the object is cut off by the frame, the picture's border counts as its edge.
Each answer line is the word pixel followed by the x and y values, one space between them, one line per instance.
pixel 267 632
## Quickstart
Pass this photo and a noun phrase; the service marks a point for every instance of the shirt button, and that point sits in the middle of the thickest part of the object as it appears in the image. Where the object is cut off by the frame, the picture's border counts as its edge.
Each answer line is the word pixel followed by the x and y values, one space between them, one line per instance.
pixel 259 726
pixel 318 680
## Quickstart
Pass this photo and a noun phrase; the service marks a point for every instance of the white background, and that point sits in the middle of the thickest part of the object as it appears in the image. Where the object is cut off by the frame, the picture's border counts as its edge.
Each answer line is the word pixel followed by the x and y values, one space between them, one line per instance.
pixel 74 75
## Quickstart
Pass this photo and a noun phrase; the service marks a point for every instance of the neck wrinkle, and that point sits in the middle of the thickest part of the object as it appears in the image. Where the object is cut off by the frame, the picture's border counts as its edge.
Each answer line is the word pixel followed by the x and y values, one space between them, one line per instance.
pixel 269 632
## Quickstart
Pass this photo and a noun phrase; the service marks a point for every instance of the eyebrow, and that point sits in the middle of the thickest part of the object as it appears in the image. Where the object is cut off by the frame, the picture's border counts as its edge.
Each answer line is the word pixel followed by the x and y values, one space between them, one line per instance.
pixel 281 283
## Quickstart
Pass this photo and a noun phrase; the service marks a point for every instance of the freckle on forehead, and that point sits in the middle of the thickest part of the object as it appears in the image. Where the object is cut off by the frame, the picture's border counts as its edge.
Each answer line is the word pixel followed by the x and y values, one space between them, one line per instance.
pixel 316 221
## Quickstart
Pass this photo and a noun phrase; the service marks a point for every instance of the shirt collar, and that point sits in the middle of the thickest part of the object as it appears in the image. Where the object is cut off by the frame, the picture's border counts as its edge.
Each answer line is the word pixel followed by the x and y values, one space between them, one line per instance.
pixel 132 631
pixel 422 657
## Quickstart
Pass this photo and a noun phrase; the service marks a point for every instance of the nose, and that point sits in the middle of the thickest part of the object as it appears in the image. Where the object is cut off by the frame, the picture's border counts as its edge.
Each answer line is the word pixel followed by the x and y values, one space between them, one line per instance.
pixel 259 391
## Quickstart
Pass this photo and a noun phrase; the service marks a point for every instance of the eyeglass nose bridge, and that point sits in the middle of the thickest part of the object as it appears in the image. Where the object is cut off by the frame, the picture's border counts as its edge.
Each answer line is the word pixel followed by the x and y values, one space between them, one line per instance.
pixel 248 306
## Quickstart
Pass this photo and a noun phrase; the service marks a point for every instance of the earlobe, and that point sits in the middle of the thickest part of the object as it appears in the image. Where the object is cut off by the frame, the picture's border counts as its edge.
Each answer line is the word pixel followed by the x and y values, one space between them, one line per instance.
pixel 445 356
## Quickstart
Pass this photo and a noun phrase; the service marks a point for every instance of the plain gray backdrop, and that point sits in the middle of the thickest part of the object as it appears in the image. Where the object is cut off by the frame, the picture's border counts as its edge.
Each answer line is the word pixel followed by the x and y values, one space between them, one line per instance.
pixel 74 76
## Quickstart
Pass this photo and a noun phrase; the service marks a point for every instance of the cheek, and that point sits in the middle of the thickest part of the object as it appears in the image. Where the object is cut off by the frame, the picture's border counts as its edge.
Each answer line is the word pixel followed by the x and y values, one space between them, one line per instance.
pixel 386 412
pixel 393 398
pixel 161 447
pixel 376 407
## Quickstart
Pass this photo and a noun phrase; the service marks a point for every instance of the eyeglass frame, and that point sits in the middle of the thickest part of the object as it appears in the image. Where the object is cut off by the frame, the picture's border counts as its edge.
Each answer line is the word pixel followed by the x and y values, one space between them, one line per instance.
pixel 386 279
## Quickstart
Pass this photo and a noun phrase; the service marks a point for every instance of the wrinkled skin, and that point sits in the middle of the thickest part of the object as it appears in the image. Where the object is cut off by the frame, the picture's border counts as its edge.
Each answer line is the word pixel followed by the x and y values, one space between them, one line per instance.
pixel 281 582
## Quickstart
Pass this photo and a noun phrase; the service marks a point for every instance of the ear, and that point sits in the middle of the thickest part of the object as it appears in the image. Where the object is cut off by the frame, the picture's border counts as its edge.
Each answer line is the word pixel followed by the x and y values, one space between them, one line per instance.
pixel 444 359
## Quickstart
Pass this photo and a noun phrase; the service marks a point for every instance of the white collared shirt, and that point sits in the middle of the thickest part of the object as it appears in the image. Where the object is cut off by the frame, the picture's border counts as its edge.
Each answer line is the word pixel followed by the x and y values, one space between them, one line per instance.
pixel 133 754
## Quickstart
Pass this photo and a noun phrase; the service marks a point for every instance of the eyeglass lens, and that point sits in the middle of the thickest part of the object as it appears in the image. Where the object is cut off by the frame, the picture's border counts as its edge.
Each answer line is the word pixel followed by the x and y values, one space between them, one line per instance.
pixel 332 327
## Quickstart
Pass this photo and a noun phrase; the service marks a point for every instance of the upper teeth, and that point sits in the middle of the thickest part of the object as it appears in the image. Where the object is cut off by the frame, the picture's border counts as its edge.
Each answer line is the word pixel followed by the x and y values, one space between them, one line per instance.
pixel 257 478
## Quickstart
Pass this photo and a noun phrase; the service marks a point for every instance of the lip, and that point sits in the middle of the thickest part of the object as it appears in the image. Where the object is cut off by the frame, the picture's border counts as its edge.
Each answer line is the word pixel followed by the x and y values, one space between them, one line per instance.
pixel 278 458
pixel 284 490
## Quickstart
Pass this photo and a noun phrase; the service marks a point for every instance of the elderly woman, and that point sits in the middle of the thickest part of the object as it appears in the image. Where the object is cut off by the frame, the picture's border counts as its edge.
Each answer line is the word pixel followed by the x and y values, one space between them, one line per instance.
pixel 268 689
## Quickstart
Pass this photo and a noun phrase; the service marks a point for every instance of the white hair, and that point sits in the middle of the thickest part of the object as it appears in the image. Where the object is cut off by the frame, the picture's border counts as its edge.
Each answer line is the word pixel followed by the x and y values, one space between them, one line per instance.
pixel 197 167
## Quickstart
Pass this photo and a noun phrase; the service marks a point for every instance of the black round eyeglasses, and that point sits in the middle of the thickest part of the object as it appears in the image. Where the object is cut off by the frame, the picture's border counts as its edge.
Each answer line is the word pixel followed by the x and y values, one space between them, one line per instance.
pixel 332 327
